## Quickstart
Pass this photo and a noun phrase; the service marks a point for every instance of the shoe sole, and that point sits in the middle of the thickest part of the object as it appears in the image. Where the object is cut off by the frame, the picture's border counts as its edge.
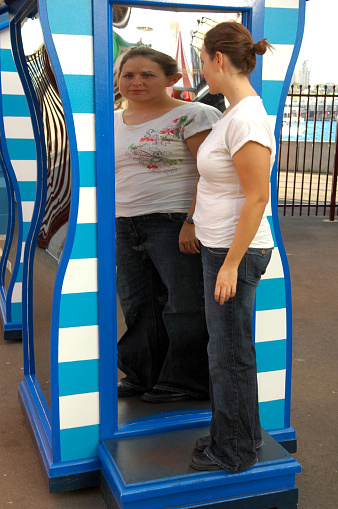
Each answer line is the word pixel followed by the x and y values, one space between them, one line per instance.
pixel 201 468
pixel 150 399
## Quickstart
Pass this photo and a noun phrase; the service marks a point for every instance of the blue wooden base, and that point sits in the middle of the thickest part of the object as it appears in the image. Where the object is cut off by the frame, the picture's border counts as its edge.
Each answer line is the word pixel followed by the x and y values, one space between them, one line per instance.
pixel 153 471
pixel 65 476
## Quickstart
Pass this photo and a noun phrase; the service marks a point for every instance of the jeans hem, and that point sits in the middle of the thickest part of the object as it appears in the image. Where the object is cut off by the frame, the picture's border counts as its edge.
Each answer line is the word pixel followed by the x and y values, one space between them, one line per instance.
pixel 227 467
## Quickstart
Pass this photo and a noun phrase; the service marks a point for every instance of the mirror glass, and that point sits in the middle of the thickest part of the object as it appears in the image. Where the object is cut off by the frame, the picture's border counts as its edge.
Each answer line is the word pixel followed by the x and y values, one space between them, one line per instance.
pixel 56 203
pixel 180 35
pixel 12 252
pixel 3 227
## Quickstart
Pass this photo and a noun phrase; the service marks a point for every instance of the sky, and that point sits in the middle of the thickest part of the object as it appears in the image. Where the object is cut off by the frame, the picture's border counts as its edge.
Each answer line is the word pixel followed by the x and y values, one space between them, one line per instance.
pixel 318 46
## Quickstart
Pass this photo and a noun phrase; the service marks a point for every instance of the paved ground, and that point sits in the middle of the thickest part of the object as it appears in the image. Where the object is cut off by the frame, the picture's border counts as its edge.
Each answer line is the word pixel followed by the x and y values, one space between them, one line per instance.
pixel 312 247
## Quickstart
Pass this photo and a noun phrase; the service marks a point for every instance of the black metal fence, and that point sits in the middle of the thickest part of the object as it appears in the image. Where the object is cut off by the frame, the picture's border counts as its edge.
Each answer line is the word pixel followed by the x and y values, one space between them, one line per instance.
pixel 308 159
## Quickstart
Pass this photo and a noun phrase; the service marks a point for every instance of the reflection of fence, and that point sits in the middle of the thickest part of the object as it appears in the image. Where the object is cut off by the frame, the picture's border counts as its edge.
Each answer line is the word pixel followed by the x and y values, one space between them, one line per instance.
pixel 308 161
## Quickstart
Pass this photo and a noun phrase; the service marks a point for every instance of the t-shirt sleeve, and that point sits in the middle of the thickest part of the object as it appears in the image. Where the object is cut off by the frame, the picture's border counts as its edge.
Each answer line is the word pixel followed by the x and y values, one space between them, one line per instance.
pixel 201 119
pixel 242 130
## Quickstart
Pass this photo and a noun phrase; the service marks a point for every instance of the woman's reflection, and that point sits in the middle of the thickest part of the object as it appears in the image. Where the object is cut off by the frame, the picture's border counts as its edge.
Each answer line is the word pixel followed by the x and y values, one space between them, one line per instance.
pixel 159 275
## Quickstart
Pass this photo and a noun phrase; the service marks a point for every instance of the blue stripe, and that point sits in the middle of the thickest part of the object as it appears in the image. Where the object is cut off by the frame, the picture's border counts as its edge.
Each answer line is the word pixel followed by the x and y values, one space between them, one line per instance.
pixel 16 309
pixel 15 106
pixel 25 228
pixel 271 93
pixel 87 168
pixel 271 355
pixel 19 276
pixel 79 443
pixel 81 102
pixel 27 190
pixel 71 17
pixel 78 309
pixel 7 62
pixel 269 218
pixel 21 149
pixel 280 25
pixel 270 294
pixel 85 241
pixel 78 377
pixel 271 414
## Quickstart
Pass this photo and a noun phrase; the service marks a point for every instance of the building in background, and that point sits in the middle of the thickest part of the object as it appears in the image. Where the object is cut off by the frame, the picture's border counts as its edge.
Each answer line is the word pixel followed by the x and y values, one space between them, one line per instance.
pixel 304 74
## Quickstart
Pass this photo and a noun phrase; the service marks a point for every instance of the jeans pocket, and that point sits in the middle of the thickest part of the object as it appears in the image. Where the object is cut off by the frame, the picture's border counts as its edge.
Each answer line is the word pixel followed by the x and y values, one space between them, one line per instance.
pixel 218 251
pixel 256 262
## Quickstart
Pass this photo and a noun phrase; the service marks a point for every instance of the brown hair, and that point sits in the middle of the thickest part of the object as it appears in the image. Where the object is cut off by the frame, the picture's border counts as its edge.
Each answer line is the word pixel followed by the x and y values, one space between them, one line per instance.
pixel 167 63
pixel 235 41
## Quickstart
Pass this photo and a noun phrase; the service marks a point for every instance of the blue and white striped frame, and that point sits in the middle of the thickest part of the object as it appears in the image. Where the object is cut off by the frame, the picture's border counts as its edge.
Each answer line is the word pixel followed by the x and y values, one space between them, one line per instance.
pixel 19 160
pixel 83 333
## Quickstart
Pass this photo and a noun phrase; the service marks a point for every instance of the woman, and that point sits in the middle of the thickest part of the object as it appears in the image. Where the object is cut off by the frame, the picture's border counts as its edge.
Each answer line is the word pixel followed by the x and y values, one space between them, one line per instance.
pixel 163 353
pixel 234 163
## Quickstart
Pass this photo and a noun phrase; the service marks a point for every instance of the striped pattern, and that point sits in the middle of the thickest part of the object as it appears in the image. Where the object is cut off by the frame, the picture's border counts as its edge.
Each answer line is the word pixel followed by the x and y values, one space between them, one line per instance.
pixel 21 149
pixel 272 342
pixel 57 206
pixel 78 352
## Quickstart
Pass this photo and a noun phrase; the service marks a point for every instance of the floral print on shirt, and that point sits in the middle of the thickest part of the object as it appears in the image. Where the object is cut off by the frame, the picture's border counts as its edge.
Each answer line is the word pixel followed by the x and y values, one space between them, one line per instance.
pixel 151 152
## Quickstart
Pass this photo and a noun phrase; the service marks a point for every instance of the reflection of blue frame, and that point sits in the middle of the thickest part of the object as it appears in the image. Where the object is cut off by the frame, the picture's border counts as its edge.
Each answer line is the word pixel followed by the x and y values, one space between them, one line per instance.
pixel 12 329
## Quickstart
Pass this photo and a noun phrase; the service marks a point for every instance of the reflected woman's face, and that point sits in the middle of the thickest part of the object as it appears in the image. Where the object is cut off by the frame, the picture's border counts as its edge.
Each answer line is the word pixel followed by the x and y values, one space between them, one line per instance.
pixel 142 79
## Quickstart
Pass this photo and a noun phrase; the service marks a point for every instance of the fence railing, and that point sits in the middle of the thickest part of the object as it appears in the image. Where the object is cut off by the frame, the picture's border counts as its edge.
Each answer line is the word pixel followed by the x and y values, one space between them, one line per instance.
pixel 308 160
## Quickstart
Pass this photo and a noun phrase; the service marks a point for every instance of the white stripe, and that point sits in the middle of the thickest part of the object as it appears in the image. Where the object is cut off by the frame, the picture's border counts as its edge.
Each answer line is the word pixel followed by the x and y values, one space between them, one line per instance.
pixel 22 251
pixel 79 343
pixel 275 267
pixel 25 170
pixel 81 276
pixel 5 39
pixel 79 410
pixel 282 4
pixel 27 211
pixel 17 293
pixel 75 53
pixel 276 63
pixel 270 325
pixel 87 205
pixel 18 128
pixel 271 385
pixel 11 84
pixel 85 131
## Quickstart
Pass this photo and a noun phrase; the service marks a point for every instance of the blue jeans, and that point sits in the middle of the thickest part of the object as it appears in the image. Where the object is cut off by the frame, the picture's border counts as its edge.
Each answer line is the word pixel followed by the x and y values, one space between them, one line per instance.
pixel 235 425
pixel 162 298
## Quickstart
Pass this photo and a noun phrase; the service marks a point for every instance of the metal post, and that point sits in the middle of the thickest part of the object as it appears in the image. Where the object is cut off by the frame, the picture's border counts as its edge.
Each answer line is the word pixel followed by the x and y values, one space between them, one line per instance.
pixel 334 179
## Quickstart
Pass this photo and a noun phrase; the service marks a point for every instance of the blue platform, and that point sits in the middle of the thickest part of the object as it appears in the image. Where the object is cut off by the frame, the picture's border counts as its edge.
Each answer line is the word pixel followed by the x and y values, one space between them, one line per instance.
pixel 153 471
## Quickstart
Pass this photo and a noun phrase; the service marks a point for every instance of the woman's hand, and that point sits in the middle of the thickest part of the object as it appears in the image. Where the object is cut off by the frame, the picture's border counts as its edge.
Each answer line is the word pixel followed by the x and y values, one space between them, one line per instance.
pixel 226 283
pixel 188 242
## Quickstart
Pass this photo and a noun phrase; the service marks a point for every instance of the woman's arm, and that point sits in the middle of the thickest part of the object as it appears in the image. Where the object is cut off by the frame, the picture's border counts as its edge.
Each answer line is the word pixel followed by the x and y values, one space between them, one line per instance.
pixel 188 241
pixel 252 163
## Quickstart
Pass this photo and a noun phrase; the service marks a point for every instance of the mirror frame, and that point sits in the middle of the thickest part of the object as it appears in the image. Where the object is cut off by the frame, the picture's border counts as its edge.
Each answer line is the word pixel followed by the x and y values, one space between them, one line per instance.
pixel 104 90
pixel 12 325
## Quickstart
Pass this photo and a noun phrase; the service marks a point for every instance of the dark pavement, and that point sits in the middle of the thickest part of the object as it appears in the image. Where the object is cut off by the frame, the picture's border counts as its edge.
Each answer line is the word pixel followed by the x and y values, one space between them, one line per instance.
pixel 311 244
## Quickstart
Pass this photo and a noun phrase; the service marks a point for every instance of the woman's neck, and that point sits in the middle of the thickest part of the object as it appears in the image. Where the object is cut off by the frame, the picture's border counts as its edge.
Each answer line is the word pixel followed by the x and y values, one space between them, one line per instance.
pixel 138 112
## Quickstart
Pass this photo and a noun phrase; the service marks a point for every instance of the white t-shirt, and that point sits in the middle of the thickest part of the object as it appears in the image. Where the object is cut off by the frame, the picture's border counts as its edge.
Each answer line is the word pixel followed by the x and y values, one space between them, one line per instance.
pixel 155 171
pixel 220 195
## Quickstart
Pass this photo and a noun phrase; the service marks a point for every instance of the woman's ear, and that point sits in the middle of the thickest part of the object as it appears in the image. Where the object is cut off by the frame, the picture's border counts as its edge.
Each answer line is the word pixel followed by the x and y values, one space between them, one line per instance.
pixel 219 58
pixel 174 79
